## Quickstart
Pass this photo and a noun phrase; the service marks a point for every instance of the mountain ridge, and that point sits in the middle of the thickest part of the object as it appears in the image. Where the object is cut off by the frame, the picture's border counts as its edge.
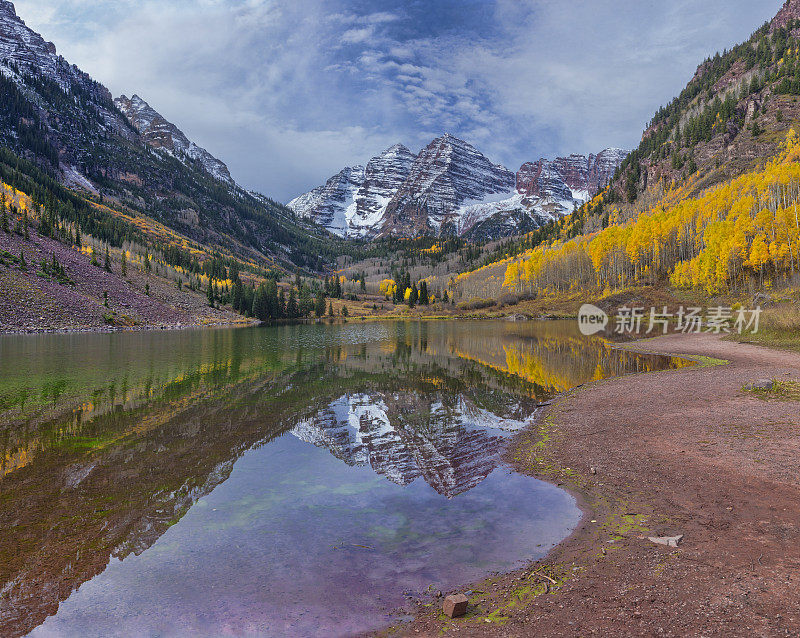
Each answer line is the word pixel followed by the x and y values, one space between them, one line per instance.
pixel 162 134
pixel 452 188
pixel 59 119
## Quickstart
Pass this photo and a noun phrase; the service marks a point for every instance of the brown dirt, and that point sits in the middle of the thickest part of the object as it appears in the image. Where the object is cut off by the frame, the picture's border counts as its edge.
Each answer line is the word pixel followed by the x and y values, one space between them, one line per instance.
pixel 32 303
pixel 685 452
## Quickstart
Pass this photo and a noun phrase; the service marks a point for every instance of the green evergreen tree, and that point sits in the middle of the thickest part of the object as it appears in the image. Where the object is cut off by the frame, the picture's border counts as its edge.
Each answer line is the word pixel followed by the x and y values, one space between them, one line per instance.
pixel 319 306
pixel 124 266
pixel 107 265
pixel 292 309
pixel 330 310
pixel 281 312
pixel 237 295
pixel 424 299
pixel 22 263
pixel 210 293
pixel 306 304
pixel 260 304
pixel 246 307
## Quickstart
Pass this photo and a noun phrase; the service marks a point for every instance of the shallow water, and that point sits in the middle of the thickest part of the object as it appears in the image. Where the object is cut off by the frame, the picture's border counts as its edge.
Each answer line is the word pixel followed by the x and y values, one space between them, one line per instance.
pixel 292 481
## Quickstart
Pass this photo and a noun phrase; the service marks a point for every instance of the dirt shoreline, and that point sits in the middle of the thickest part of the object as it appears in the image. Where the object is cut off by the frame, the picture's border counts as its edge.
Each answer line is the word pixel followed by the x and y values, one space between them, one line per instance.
pixel 115 329
pixel 679 452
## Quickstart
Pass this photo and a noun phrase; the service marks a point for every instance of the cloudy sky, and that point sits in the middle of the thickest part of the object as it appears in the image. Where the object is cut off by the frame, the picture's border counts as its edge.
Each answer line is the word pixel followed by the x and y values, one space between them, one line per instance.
pixel 287 92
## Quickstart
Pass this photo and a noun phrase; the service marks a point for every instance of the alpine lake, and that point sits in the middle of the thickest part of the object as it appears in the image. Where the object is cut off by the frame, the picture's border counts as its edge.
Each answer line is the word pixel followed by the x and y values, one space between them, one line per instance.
pixel 291 481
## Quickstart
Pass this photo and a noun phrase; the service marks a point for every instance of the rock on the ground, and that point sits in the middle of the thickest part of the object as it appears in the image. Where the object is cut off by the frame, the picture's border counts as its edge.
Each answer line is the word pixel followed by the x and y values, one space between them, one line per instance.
pixel 455 605
pixel 669 541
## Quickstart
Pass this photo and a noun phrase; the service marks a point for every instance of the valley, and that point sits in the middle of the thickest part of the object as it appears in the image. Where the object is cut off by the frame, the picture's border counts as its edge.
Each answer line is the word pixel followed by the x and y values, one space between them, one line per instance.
pixel 432 375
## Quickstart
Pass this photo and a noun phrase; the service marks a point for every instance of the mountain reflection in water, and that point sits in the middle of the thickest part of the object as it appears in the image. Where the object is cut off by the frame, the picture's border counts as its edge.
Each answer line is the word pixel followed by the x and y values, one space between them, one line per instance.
pixel 405 436
pixel 109 442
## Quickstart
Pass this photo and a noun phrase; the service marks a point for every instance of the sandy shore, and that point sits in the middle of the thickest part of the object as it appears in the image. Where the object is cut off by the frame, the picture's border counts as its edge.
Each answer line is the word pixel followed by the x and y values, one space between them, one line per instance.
pixel 685 452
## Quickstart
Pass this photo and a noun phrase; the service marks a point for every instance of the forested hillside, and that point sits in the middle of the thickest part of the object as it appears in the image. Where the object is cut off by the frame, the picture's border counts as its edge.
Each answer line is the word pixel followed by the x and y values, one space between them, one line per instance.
pixel 732 116
pixel 708 201
pixel 70 129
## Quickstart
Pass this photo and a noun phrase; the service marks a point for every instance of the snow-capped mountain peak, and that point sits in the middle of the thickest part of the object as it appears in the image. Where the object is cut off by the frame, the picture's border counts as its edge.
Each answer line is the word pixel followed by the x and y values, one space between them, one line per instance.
pixel 450 187
pixel 159 133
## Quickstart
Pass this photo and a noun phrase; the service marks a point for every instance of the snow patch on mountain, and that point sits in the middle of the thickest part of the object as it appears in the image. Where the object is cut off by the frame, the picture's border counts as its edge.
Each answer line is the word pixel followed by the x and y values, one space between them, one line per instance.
pixel 451 187
pixel 161 134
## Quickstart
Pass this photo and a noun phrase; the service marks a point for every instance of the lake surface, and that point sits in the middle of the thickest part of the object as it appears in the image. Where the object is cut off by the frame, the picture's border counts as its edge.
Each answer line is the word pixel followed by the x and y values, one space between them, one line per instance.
pixel 296 481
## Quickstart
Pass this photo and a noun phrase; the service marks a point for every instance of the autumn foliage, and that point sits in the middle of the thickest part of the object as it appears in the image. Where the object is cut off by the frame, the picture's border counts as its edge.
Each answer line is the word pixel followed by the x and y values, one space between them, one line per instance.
pixel 744 230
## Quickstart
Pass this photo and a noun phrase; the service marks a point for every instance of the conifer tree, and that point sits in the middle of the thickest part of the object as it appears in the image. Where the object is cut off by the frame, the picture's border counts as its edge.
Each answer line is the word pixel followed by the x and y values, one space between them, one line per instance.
pixel 260 304
pixel 414 297
pixel 281 310
pixel 124 267
pixel 424 299
pixel 237 293
pixel 210 292
pixel 319 305
pixel 292 310
pixel 107 265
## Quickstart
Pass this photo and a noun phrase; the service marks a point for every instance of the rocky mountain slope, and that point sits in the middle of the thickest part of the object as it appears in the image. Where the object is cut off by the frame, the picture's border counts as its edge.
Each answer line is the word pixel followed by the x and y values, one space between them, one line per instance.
pixel 89 297
pixel 159 133
pixel 452 188
pixel 569 178
pixel 69 127
pixel 733 115
pixel 447 177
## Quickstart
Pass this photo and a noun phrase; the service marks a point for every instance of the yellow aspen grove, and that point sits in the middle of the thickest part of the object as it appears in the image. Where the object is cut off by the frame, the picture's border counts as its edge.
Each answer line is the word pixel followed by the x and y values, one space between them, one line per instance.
pixel 747 228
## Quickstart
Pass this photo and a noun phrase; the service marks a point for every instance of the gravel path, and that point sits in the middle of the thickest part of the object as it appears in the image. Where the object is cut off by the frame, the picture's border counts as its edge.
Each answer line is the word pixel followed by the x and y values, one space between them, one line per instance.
pixel 686 452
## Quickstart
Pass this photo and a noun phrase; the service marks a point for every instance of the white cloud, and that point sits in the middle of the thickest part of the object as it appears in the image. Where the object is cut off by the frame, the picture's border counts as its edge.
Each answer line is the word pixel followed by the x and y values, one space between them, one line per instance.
pixel 289 91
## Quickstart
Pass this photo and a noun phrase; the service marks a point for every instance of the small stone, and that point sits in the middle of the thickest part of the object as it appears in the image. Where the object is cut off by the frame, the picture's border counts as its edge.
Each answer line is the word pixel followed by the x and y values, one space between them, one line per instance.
pixel 669 541
pixel 455 605
pixel 761 384
pixel 593 470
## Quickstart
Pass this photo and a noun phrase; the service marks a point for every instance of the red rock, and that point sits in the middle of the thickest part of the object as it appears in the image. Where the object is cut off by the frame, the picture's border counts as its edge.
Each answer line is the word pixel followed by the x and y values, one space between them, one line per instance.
pixel 455 605
pixel 790 11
